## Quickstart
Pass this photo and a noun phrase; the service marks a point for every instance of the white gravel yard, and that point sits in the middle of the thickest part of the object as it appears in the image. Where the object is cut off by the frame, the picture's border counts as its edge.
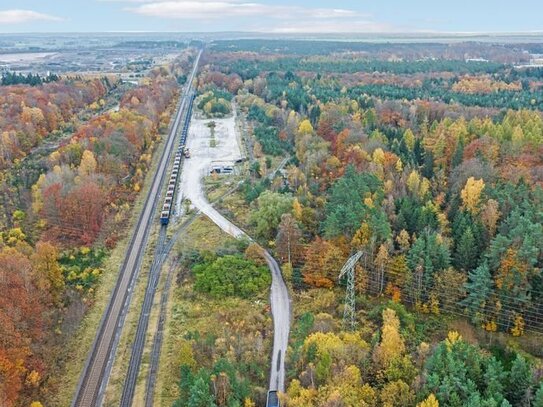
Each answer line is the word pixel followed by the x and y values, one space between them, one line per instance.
pixel 202 155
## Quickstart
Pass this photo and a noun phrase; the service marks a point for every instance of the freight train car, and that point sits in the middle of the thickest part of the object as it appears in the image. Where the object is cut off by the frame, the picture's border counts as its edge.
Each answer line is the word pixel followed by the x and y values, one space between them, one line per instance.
pixel 181 152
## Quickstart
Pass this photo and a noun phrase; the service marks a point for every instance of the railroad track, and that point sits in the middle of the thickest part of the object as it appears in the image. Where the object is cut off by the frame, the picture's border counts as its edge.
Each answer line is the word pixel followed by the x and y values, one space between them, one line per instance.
pixel 157 340
pixel 143 322
pixel 152 282
pixel 95 375
pixel 159 334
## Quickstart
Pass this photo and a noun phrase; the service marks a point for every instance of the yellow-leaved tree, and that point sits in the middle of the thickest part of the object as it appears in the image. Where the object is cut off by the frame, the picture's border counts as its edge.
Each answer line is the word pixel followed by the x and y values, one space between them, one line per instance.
pixel 249 403
pixel 392 344
pixel 471 194
pixel 379 156
pixel 88 164
pixel 48 270
pixel 305 127
pixel 409 139
pixel 397 393
pixel 431 401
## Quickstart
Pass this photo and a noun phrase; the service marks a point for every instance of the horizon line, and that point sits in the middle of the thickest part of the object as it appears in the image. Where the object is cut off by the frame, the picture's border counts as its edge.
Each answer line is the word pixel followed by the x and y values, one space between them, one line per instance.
pixel 370 33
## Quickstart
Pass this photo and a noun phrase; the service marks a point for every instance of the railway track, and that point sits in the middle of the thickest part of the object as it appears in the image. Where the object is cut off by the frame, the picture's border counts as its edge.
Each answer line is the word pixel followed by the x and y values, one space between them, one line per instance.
pixel 143 322
pixel 157 340
pixel 152 373
pixel 95 375
pixel 159 333
pixel 160 255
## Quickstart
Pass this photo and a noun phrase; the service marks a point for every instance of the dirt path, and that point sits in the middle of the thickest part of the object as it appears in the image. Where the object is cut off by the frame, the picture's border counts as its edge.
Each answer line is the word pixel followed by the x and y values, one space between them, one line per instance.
pixel 194 169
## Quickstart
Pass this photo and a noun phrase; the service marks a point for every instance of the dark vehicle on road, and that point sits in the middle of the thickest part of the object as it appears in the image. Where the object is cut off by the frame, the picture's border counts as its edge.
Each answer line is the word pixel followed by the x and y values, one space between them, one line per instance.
pixel 273 400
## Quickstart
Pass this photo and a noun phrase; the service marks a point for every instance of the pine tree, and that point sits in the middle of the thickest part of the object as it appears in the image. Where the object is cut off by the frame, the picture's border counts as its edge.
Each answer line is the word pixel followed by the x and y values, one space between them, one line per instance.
pixel 458 154
pixel 185 383
pixel 520 382
pixel 466 253
pixel 478 287
pixel 200 395
pixel 428 167
pixel 418 152
pixel 429 252
pixel 538 400
pixel 495 379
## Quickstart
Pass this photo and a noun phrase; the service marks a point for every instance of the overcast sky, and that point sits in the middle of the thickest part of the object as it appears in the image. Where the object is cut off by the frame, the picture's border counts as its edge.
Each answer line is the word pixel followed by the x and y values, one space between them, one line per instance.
pixel 280 16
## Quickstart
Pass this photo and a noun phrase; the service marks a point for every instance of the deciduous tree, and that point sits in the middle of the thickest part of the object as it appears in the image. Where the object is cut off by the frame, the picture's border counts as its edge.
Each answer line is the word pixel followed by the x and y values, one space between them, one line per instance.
pixel 47 268
pixel 288 240
pixel 471 194
pixel 392 344
pixel 271 206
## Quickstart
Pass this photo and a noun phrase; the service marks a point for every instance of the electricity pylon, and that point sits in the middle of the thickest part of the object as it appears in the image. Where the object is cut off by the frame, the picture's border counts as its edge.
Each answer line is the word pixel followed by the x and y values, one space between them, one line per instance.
pixel 349 316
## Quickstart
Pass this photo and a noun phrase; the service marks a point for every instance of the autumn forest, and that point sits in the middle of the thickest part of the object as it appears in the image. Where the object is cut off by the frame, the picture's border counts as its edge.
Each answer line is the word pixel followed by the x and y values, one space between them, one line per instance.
pixel 425 159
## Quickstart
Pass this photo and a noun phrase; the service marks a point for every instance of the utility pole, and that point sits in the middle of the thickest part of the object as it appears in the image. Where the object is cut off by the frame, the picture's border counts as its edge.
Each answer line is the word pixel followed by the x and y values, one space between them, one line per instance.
pixel 349 312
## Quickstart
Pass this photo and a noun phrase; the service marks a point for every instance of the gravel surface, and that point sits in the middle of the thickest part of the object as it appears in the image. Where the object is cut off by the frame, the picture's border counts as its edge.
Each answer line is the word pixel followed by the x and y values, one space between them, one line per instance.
pixel 194 169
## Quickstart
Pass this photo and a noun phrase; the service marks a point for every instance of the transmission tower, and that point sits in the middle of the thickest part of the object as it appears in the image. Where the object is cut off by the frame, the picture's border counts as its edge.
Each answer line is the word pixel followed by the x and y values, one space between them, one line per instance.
pixel 349 317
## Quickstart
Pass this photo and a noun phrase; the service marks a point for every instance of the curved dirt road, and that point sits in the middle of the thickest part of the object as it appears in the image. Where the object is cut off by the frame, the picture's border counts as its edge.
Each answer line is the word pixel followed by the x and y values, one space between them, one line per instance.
pixel 194 169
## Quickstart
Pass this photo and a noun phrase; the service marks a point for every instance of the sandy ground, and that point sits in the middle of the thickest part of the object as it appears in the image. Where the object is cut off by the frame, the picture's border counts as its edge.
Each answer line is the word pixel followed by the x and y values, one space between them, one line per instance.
pixel 198 166
pixel 194 169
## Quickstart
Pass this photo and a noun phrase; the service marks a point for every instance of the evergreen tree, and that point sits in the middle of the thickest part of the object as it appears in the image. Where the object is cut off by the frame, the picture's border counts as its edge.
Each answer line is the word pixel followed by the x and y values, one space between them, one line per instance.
pixel 453 370
pixel 520 382
pixel 348 208
pixel 185 384
pixel 429 252
pixel 538 400
pixel 466 253
pixel 478 287
pixel 418 152
pixel 200 395
pixel 495 379
pixel 458 154
pixel 428 165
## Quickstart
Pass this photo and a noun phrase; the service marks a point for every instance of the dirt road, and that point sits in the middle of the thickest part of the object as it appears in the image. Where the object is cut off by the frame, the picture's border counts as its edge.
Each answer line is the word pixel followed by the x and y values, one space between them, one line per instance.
pixel 226 148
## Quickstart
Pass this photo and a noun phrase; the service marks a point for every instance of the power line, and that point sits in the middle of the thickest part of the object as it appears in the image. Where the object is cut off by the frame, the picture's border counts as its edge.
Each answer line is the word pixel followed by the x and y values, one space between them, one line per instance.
pixel 454 309
pixel 504 297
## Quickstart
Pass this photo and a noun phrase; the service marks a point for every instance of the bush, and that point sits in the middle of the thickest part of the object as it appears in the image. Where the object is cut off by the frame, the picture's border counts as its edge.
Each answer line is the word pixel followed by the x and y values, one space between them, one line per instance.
pixel 229 276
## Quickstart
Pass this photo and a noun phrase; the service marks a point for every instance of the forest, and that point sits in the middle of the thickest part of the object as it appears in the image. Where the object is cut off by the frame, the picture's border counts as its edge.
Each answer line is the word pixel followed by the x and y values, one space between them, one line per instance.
pixel 11 78
pixel 74 154
pixel 433 172
pixel 424 160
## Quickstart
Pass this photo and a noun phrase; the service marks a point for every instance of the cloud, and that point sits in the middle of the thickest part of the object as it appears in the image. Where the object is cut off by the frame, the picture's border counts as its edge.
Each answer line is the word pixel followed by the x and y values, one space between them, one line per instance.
pixel 24 16
pixel 256 15
pixel 210 9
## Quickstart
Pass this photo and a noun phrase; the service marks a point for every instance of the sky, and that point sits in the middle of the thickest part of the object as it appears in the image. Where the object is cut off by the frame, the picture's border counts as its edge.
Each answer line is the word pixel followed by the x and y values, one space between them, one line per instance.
pixel 274 16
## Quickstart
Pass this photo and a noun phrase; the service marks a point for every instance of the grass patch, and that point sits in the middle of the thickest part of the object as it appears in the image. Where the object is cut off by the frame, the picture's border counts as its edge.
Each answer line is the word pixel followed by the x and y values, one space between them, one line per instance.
pixel 236 209
pixel 189 312
pixel 215 186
